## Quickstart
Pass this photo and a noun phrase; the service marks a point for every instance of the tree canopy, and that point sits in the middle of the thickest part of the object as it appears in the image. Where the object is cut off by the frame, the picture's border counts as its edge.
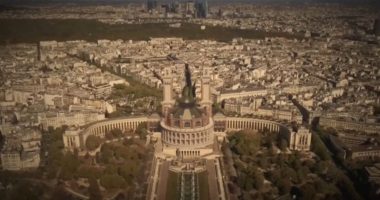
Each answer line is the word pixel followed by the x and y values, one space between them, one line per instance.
pixel 93 142
pixel 112 181
pixel 245 143
pixel 94 190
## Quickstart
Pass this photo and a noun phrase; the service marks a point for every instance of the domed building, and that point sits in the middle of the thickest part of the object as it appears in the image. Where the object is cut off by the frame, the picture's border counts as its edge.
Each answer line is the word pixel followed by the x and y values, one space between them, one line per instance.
pixel 187 127
pixel 185 138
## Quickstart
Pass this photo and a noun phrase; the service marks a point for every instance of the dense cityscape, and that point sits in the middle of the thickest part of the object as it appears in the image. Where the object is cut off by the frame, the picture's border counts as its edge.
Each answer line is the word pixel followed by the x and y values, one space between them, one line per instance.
pixel 189 100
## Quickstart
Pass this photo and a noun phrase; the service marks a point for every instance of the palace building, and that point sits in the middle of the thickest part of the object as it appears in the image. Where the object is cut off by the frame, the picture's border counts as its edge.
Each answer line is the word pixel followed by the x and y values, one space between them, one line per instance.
pixel 187 137
pixel 187 127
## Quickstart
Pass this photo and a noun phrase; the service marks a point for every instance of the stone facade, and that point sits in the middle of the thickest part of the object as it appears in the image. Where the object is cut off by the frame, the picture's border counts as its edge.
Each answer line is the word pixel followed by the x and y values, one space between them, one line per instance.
pixel 187 128
pixel 300 140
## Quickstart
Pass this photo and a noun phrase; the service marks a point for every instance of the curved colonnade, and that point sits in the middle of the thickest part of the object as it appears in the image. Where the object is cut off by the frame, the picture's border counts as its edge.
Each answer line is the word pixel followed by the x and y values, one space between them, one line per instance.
pixel 125 124
pixel 241 123
pixel 77 139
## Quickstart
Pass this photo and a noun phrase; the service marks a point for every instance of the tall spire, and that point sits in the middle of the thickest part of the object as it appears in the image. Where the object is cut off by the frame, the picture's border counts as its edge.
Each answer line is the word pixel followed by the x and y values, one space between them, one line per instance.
pixel 206 101
pixel 167 80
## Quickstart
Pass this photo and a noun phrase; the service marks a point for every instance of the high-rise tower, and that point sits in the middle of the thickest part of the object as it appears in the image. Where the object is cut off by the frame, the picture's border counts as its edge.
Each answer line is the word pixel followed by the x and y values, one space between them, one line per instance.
pixel 168 100
pixel 151 4
pixel 206 101
pixel 376 27
pixel 201 8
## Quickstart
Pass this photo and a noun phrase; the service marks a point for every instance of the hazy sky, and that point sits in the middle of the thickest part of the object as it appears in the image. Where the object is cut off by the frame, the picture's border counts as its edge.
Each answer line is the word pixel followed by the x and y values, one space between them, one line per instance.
pixel 342 1
pixel 210 1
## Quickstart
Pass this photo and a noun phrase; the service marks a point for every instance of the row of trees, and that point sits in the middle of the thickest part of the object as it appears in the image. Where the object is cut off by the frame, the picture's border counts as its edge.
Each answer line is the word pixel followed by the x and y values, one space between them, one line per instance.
pixel 118 164
pixel 135 91
pixel 118 167
pixel 142 130
pixel 114 133
pixel 250 178
pixel 123 164
pixel 52 141
pixel 255 159
pixel 93 142
pixel 245 145
pixel 245 142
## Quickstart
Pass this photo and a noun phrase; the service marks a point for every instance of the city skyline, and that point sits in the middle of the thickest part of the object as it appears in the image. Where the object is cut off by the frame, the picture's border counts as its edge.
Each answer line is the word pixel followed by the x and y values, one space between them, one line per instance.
pixel 189 100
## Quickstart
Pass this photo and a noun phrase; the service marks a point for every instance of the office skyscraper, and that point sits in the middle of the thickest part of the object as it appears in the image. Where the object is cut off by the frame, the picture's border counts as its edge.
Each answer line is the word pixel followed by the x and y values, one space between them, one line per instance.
pixel 151 4
pixel 201 8
pixel 376 27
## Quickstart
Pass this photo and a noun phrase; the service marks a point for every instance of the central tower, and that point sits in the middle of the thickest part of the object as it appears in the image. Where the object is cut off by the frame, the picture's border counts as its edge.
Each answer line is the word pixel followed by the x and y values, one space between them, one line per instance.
pixel 187 149
pixel 206 101
pixel 167 81
pixel 187 126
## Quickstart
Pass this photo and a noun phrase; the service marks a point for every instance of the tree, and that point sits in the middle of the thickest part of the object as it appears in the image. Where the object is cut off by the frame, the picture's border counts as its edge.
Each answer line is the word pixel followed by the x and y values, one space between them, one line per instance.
pixel 89 172
pixel 112 181
pixel 290 174
pixel 92 142
pixel 346 186
pixel 116 132
pixel 274 176
pixel 284 186
pixel 141 130
pixel 70 164
pixel 248 185
pixel 109 136
pixel 106 153
pixel 268 140
pixel 136 90
pixel 55 154
pixel 280 160
pixel 320 167
pixel 129 171
pixel 245 143
pixel 60 193
pixel 322 187
pixel 259 180
pixel 26 191
pixel 307 192
pixel 246 196
pixel 254 178
pixel 296 163
pixel 1 138
pixel 302 173
pixel 94 190
pixel 240 181
pixel 263 163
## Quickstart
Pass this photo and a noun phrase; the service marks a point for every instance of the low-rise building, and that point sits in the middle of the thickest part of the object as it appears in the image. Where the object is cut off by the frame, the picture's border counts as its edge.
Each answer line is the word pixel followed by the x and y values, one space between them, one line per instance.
pixel 349 124
pixel 300 140
pixel 363 152
pixel 21 149
pixel 355 146
pixel 68 118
